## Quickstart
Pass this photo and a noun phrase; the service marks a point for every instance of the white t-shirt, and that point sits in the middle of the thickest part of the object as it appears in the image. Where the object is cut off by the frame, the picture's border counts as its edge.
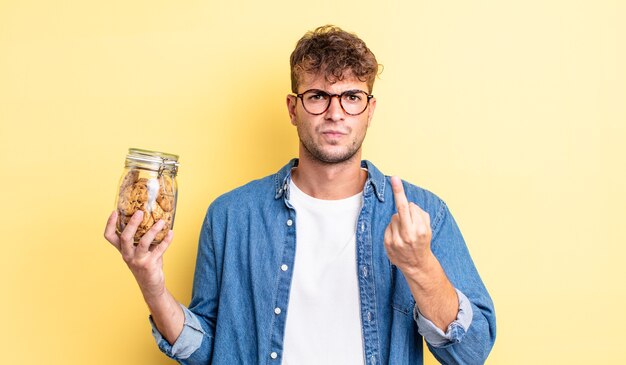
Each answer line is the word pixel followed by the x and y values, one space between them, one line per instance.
pixel 323 322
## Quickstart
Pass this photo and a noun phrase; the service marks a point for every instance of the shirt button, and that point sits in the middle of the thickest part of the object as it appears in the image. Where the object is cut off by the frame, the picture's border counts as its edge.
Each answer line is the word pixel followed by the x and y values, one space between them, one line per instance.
pixel 284 267
pixel 369 316
pixel 273 355
pixel 362 227
pixel 277 310
pixel 289 222
pixel 365 271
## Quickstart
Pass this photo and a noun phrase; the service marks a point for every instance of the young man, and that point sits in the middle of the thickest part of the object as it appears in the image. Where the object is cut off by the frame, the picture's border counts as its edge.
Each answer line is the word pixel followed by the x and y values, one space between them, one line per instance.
pixel 328 261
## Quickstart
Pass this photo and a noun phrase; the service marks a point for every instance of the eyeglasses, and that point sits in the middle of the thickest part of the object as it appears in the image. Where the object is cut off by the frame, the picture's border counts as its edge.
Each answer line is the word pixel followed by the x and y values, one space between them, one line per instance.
pixel 353 102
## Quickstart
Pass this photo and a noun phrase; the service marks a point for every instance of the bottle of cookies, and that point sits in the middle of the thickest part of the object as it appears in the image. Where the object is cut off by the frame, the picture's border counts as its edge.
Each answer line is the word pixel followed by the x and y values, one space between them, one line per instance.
pixel 149 184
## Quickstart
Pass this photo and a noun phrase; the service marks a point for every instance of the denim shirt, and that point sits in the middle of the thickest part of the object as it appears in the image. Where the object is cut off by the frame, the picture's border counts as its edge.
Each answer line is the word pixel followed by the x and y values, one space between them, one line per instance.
pixel 243 275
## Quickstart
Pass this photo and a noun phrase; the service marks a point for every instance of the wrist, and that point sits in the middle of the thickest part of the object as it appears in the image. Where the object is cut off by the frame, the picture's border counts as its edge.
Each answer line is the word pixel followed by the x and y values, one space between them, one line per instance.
pixel 427 274
pixel 424 266
pixel 154 296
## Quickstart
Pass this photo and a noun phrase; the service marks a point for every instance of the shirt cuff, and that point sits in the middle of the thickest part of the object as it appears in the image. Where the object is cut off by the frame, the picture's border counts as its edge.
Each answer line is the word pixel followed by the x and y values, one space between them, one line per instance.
pixel 455 331
pixel 187 342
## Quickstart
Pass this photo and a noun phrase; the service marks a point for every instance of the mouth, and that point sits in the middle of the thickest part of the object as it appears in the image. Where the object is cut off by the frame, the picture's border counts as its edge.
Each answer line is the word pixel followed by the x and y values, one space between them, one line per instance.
pixel 332 133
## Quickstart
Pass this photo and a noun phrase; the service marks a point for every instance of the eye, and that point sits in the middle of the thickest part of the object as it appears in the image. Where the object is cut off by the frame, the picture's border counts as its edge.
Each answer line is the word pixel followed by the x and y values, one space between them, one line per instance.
pixel 317 96
pixel 353 97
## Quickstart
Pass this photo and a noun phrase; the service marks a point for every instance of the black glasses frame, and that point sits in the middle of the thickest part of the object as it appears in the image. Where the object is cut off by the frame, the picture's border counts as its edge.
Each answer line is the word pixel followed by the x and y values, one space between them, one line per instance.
pixel 330 99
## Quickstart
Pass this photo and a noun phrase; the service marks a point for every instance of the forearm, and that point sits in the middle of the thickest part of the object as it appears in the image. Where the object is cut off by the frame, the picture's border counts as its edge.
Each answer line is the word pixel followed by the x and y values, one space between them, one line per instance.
pixel 434 295
pixel 476 342
pixel 166 315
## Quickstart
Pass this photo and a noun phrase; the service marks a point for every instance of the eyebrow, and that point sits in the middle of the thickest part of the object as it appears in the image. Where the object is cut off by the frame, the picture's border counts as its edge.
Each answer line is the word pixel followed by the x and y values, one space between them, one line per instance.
pixel 343 92
pixel 354 91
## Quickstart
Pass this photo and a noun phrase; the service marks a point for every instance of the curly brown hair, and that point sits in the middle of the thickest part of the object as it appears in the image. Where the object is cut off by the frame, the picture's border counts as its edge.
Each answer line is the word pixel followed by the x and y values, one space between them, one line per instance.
pixel 331 51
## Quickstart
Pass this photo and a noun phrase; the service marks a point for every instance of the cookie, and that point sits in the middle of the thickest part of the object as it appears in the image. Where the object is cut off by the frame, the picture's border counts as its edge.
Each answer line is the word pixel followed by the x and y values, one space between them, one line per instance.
pixel 155 197
pixel 129 179
pixel 166 194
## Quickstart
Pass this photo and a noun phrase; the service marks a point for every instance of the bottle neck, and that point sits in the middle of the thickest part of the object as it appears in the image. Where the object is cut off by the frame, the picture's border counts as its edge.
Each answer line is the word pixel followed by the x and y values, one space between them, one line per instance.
pixel 152 161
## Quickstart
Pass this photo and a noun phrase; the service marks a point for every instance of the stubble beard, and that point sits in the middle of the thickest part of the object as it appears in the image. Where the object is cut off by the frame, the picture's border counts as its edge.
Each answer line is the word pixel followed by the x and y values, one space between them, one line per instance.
pixel 328 158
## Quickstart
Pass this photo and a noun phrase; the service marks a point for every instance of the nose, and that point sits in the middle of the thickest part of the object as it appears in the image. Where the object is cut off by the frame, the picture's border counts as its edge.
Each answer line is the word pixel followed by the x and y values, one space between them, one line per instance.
pixel 335 110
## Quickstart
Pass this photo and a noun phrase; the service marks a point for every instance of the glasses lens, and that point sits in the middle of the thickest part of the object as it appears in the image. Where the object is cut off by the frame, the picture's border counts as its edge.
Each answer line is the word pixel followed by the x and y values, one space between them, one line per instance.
pixel 354 102
pixel 315 101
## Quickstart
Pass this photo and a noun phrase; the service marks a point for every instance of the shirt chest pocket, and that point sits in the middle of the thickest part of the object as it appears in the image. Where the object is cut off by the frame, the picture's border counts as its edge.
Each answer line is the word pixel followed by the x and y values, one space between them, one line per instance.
pixel 401 300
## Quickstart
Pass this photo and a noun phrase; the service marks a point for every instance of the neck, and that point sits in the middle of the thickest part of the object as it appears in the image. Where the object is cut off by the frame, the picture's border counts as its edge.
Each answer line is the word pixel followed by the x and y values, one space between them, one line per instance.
pixel 330 181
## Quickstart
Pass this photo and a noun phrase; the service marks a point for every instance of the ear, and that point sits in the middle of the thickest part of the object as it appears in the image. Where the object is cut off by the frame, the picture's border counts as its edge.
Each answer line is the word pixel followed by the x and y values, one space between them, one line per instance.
pixel 370 111
pixel 292 101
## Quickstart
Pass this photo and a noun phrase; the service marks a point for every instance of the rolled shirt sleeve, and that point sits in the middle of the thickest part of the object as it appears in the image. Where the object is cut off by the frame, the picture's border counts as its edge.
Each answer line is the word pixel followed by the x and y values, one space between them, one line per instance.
pixel 187 342
pixel 455 331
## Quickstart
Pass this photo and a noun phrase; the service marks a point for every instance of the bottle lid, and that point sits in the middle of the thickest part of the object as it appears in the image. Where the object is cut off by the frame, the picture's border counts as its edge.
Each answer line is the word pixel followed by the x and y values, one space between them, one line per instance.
pixel 153 160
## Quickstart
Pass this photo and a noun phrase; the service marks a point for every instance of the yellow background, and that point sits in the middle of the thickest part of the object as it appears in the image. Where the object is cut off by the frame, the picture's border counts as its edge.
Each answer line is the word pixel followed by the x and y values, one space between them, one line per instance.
pixel 512 111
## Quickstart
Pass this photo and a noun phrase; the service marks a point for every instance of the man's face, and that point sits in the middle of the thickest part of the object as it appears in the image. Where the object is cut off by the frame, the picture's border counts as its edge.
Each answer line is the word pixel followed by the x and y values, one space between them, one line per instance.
pixel 333 136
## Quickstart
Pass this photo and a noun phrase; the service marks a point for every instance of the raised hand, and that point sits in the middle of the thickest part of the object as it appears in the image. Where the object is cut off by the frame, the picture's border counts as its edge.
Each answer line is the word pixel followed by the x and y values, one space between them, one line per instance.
pixel 407 241
pixel 408 235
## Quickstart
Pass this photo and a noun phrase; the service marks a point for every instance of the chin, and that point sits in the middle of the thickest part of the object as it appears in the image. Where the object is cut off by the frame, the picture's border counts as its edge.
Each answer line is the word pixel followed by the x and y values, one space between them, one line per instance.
pixel 334 158
pixel 328 153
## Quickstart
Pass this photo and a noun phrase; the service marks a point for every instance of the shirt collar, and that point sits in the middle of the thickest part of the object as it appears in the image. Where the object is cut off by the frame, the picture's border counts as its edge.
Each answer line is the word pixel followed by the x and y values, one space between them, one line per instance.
pixel 375 180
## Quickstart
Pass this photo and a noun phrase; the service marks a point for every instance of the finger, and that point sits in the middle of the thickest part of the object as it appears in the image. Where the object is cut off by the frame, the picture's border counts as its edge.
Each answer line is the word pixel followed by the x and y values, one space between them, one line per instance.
pixel 388 236
pixel 159 250
pixel 416 212
pixel 402 204
pixel 109 231
pixel 127 238
pixel 395 231
pixel 146 240
pixel 419 214
pixel 389 244
pixel 421 221
pixel 396 235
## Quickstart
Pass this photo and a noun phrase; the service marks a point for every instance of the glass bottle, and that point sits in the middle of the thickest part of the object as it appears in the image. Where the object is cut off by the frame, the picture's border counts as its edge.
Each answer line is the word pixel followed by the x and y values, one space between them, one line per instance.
pixel 149 184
